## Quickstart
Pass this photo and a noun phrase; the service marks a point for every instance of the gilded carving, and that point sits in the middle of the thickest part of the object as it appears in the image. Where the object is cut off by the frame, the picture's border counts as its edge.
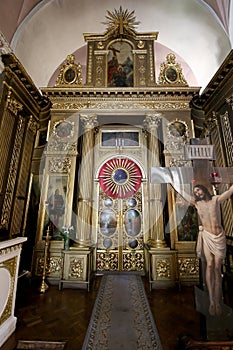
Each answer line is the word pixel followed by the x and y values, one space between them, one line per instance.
pixel 133 260
pixel 152 120
pixel 89 121
pixel 151 55
pixel 54 265
pixel 12 104
pixel 188 267
pixel 174 146
pixel 32 125
pixel 112 105
pixel 171 72
pixel 12 174
pixel 178 162
pixel 76 268
pixel 10 249
pixel 163 268
pixel 120 22
pixel 142 70
pixel 70 73
pixel 10 265
pixel 107 261
pixel 230 101
pixel 90 60
pixel 141 44
pixel 59 165
pixel 55 145
pixel 99 71
pixel 227 135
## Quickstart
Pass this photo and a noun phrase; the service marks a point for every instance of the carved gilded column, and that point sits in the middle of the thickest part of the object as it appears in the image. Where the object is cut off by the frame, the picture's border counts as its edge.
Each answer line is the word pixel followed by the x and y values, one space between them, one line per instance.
pixel 86 180
pixel 156 240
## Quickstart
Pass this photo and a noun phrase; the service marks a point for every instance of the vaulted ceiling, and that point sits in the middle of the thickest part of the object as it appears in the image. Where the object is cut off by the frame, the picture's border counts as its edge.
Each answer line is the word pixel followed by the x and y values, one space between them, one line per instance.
pixel 42 33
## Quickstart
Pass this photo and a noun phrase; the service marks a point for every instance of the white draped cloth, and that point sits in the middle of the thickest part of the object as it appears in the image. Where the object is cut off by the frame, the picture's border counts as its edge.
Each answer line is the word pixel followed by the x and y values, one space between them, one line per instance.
pixel 215 243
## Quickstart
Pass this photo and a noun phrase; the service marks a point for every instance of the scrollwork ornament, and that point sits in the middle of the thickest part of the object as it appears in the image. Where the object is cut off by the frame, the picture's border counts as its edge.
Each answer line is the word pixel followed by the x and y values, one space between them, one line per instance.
pixel 178 162
pixel 172 146
pixel 32 125
pixel 163 269
pixel 188 266
pixel 229 101
pixel 212 122
pixel 76 268
pixel 58 165
pixel 12 104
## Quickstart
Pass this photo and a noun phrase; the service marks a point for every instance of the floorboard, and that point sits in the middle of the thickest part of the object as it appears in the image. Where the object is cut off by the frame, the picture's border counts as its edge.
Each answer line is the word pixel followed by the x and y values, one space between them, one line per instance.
pixel 63 316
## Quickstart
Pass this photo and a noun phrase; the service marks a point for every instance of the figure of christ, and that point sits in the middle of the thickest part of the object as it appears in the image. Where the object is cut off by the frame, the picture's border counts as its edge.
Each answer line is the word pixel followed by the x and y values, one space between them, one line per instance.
pixel 211 241
pixel 113 64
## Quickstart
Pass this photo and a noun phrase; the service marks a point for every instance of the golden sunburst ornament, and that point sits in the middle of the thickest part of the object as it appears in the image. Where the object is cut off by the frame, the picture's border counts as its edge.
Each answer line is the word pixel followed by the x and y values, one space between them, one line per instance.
pixel 120 178
pixel 121 22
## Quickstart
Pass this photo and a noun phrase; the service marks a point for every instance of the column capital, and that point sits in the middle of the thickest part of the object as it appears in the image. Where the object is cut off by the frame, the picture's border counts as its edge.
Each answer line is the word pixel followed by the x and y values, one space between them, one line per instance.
pixel 89 121
pixel 152 120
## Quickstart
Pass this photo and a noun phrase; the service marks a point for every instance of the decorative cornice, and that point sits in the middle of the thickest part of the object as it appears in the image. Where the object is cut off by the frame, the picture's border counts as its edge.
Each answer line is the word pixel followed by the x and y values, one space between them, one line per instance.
pixel 222 78
pixel 13 65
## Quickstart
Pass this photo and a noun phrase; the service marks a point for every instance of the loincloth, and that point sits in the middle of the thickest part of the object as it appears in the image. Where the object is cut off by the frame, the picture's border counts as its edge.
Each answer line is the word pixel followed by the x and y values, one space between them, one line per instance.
pixel 215 243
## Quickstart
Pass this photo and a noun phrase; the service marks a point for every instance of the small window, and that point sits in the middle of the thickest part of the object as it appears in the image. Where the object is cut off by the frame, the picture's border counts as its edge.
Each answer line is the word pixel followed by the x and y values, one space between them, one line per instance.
pixel 123 139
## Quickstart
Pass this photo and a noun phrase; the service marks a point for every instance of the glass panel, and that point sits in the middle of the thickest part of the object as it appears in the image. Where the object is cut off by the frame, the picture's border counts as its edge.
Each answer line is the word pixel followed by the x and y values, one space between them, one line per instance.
pixel 132 202
pixel 127 139
pixel 132 222
pixel 108 222
pixel 108 202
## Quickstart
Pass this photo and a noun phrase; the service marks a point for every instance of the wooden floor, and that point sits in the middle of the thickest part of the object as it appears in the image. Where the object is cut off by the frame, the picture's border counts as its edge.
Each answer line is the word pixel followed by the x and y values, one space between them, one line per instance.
pixel 64 315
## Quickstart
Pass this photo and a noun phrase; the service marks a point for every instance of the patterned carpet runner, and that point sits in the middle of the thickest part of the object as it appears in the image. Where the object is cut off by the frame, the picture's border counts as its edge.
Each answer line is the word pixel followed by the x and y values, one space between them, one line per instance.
pixel 121 318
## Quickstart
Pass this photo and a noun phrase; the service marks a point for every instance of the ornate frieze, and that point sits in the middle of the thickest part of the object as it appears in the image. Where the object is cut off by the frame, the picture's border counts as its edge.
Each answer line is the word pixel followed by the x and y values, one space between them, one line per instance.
pixel 116 104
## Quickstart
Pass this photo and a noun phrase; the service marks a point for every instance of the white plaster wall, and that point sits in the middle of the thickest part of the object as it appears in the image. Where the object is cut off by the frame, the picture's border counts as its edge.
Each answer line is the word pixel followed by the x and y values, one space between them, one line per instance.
pixel 56 29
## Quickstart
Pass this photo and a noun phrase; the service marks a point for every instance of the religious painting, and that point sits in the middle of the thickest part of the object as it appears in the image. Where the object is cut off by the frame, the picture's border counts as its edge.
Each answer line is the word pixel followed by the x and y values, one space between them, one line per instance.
pixel 177 128
pixel 132 222
pixel 56 203
pixel 120 65
pixel 63 129
pixel 108 222
pixel 187 220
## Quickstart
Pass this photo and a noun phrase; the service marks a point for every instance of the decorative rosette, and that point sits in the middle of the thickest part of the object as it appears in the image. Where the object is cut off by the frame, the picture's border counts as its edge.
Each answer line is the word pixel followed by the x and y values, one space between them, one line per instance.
pixel 120 178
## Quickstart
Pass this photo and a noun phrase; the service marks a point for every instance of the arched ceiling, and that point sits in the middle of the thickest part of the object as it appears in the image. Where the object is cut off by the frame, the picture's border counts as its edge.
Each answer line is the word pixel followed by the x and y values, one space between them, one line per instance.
pixel 42 33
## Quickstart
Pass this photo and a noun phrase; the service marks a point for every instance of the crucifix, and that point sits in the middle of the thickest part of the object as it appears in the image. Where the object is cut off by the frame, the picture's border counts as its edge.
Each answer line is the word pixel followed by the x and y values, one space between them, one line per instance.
pixel 208 297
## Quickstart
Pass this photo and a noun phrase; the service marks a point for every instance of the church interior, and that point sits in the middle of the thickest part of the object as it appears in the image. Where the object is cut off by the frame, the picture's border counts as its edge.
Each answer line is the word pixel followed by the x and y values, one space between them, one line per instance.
pixel 102 109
